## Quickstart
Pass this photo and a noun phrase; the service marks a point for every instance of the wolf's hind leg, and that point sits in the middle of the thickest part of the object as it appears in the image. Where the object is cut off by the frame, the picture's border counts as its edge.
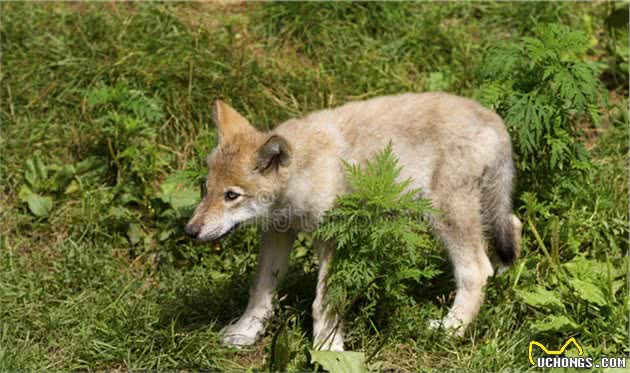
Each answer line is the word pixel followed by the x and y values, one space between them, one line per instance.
pixel 275 248
pixel 462 232
pixel 327 327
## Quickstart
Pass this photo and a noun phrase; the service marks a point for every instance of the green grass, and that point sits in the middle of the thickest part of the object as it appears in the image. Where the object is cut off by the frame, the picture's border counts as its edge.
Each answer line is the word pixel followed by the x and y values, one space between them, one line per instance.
pixel 111 105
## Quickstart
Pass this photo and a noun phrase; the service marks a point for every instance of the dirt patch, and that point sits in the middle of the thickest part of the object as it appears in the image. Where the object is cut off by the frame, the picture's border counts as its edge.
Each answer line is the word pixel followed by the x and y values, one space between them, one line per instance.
pixel 398 358
pixel 210 14
pixel 254 357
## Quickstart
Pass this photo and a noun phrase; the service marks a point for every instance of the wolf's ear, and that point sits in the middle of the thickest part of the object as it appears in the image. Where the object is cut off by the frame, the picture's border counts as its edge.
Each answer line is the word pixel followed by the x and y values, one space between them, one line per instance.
pixel 274 153
pixel 229 121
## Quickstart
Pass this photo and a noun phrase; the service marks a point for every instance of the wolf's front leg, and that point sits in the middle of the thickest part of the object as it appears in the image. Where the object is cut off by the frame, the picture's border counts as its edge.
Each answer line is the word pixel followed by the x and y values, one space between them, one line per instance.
pixel 327 327
pixel 272 264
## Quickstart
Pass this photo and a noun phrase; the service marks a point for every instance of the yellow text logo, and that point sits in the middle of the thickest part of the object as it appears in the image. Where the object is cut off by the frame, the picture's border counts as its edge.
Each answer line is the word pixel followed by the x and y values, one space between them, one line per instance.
pixel 554 352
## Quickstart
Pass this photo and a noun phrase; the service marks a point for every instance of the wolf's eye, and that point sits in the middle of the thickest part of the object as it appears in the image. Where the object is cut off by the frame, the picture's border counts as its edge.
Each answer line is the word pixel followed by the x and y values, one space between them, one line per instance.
pixel 203 187
pixel 231 195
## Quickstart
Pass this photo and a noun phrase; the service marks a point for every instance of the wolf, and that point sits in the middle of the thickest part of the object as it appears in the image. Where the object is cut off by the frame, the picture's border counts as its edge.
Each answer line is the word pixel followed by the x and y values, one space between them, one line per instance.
pixel 457 152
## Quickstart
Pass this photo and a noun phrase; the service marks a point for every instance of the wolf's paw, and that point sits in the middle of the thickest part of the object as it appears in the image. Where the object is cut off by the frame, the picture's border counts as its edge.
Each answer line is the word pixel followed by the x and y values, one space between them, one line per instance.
pixel 451 325
pixel 238 335
pixel 238 340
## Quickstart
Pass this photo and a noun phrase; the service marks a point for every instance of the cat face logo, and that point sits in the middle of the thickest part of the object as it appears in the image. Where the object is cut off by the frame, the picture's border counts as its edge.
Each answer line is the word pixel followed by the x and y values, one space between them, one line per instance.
pixel 554 352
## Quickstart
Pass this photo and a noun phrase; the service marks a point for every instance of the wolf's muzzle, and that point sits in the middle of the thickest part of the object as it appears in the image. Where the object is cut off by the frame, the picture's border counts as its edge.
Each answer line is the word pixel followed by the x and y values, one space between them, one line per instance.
pixel 192 230
pixel 228 232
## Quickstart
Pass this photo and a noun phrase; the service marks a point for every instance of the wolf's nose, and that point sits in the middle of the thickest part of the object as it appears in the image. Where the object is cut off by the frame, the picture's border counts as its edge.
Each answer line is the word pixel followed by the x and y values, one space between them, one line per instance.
pixel 192 230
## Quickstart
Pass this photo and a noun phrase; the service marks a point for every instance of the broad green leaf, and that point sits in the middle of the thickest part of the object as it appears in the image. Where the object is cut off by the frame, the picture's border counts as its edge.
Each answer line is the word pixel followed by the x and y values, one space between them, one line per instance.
pixel 88 164
pixel 164 235
pixel 184 197
pixel 40 167
pixel 38 205
pixel 339 362
pixel 555 323
pixel 24 193
pixel 72 187
pixel 61 177
pixel 585 269
pixel 589 291
pixel 134 233
pixel 540 297
pixel 179 194
pixel 30 174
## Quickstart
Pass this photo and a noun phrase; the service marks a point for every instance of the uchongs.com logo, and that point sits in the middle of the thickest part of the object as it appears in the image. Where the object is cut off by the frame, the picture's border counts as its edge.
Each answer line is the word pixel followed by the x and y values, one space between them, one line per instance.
pixel 554 358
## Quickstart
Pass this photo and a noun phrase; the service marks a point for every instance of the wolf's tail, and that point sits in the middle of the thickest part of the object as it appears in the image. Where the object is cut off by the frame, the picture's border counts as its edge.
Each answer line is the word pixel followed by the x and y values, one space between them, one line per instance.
pixel 502 227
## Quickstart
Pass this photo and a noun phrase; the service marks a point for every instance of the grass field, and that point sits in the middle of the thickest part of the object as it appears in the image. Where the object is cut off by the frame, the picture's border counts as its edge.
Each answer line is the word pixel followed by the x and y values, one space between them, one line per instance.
pixel 106 119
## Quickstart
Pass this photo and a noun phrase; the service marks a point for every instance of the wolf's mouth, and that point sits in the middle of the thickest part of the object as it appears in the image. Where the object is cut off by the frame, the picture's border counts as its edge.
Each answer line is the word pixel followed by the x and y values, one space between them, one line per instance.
pixel 227 232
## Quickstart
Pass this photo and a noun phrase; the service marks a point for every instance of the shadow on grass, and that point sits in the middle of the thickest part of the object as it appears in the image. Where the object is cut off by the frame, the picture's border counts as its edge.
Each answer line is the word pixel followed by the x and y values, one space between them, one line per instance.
pixel 219 303
pixel 297 293
pixel 438 289
pixel 202 303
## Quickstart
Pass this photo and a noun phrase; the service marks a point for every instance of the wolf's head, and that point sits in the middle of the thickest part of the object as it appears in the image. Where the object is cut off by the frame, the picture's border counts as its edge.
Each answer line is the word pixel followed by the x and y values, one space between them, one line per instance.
pixel 247 173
